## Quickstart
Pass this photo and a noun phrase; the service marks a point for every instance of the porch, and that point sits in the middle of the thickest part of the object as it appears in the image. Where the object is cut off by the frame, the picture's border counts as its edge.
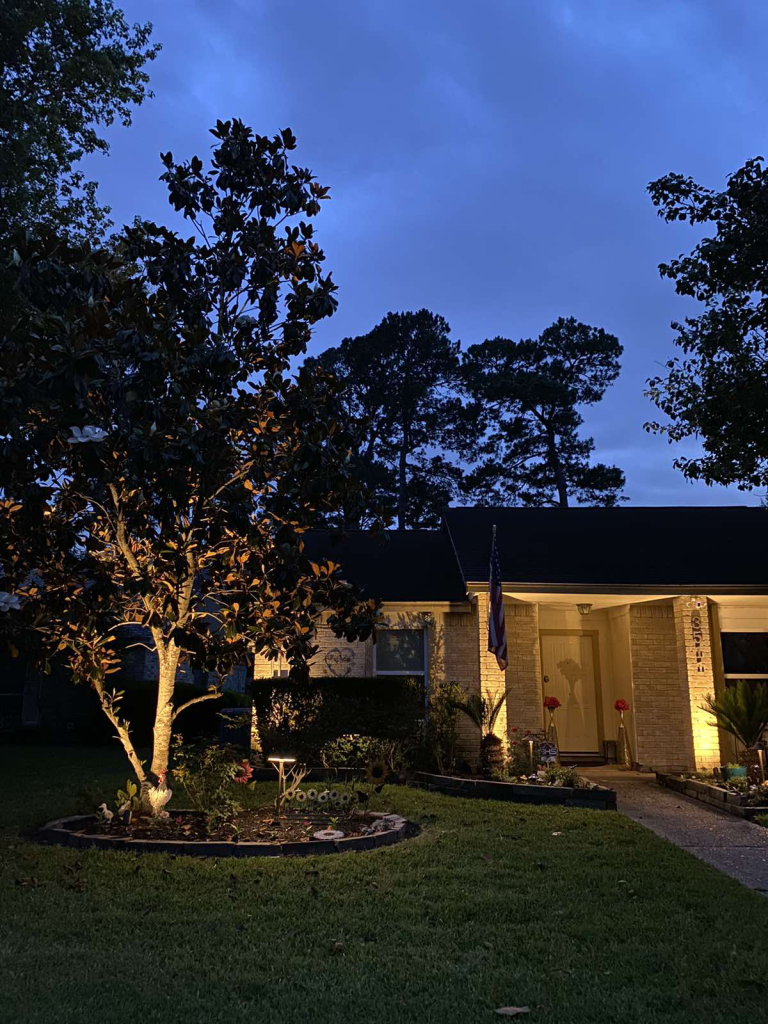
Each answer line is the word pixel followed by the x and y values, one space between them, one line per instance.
pixel 661 653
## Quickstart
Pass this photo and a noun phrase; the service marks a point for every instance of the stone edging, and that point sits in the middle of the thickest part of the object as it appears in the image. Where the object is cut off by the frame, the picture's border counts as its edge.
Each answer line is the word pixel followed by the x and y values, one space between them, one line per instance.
pixel 62 833
pixel 716 796
pixel 598 798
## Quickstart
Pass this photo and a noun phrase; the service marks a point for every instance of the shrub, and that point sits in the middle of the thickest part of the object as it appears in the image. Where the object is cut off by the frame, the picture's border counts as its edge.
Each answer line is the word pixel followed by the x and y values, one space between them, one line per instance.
pixel 442 732
pixel 352 751
pixel 518 761
pixel 562 775
pixel 741 710
pixel 301 717
pixel 206 773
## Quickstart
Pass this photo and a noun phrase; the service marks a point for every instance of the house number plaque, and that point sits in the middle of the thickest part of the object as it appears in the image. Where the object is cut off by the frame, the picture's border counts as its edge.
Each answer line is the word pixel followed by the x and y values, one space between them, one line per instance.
pixel 697 632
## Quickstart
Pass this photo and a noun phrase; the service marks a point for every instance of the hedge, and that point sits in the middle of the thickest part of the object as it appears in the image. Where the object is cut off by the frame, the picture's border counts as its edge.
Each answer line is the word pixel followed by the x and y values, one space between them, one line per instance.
pixel 299 716
pixel 138 705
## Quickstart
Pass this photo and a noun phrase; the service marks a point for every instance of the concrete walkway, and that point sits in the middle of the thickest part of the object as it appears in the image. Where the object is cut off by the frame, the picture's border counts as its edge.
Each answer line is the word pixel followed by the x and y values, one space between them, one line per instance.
pixel 733 845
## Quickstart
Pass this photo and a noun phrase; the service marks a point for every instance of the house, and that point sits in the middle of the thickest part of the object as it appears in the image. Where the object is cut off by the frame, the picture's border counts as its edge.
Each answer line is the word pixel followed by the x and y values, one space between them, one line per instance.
pixel 658 606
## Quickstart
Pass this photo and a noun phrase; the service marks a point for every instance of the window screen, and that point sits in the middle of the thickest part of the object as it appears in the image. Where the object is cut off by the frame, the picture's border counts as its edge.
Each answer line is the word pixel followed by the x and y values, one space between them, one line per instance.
pixel 745 654
pixel 400 652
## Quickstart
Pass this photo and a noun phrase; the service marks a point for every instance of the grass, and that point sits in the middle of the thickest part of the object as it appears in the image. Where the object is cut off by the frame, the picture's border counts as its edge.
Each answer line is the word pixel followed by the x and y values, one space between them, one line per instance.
pixel 486 908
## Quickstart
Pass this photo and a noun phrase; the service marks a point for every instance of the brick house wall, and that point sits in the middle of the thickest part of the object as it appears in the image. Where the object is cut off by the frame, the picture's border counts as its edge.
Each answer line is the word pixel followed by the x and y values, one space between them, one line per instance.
pixel 525 709
pixel 660 692
pixel 694 651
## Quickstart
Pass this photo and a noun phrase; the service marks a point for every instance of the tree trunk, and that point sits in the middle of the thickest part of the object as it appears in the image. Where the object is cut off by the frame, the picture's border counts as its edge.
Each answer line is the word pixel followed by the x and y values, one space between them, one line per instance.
pixel 168 661
pixel 557 466
pixel 402 488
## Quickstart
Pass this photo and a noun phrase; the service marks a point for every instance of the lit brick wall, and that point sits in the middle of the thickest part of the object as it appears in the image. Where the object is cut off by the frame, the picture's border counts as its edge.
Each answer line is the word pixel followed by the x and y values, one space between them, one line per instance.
pixel 694 652
pixel 525 708
pixel 460 663
pixel 660 692
pixel 492 680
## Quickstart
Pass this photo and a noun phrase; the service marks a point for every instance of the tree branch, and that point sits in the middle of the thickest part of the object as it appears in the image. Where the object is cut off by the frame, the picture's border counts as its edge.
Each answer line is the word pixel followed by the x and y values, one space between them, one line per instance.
pixel 211 695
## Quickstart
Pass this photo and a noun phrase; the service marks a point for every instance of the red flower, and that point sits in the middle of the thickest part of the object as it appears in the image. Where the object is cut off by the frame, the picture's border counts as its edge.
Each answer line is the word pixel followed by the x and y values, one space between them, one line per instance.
pixel 247 771
pixel 621 705
pixel 551 703
pixel 513 729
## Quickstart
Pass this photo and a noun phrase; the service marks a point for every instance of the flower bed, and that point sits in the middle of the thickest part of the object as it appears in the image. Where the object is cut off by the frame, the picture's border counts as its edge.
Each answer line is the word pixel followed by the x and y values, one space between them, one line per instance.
pixel 598 798
pixel 258 834
pixel 739 803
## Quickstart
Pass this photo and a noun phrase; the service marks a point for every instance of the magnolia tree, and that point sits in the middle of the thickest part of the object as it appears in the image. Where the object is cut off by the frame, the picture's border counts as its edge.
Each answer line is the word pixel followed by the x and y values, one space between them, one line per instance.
pixel 159 462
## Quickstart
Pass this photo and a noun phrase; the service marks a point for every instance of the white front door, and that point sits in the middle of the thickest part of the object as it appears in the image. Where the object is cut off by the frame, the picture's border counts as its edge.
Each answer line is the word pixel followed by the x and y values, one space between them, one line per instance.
pixel 569 665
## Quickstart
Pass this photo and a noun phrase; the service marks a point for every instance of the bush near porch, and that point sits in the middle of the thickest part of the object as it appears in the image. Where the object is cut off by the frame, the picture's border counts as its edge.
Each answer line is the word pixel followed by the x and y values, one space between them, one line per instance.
pixel 602 921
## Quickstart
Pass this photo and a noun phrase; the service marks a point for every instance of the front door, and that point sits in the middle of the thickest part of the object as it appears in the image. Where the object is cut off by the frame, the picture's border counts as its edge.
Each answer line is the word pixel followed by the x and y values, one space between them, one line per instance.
pixel 568 665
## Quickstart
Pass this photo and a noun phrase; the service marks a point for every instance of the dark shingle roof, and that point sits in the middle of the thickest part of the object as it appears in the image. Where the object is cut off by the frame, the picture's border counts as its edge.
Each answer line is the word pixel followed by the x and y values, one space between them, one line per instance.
pixel 672 547
pixel 396 565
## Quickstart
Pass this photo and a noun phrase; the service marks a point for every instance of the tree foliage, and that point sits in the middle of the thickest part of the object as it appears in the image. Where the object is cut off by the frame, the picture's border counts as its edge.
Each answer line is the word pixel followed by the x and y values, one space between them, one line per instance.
pixel 399 383
pixel 68 68
pixel 526 395
pixel 158 462
pixel 717 393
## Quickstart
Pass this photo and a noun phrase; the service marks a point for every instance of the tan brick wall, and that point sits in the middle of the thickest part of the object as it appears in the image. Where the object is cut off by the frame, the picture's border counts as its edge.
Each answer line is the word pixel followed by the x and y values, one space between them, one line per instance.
pixel 694 651
pixel 659 690
pixel 525 708
pixel 461 663
pixel 492 679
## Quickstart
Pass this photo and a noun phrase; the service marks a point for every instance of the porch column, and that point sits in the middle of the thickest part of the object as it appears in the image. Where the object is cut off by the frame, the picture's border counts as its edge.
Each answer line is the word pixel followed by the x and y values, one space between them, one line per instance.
pixel 659 690
pixel 523 676
pixel 694 654
pixel 492 680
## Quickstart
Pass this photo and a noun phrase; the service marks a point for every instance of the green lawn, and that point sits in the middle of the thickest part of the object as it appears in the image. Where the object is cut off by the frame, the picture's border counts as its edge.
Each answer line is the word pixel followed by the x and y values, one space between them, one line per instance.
pixel 487 907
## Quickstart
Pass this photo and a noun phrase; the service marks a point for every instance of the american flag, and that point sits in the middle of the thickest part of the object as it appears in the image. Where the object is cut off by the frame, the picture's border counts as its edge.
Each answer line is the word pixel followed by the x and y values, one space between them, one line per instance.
pixel 497 633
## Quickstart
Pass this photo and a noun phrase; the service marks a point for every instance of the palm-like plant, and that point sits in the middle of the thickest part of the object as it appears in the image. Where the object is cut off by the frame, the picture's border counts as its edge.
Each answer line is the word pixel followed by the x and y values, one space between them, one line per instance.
pixel 741 710
pixel 484 712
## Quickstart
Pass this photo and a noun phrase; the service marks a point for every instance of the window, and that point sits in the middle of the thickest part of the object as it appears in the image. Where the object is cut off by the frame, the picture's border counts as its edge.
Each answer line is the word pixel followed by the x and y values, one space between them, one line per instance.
pixel 745 655
pixel 400 652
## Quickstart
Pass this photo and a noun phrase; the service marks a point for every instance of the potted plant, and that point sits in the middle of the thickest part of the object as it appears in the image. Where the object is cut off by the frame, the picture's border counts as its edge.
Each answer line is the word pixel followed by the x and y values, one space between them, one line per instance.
pixel 742 711
pixel 484 712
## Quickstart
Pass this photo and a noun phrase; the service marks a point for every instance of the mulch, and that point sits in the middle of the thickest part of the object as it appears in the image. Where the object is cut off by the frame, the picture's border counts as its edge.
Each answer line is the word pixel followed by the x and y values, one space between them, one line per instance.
pixel 259 826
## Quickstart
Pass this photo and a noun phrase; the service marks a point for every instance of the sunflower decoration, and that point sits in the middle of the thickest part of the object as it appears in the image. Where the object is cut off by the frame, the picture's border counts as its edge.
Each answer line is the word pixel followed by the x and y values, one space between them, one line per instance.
pixel 377 773
pixel 322 798
pixel 312 794
pixel 300 797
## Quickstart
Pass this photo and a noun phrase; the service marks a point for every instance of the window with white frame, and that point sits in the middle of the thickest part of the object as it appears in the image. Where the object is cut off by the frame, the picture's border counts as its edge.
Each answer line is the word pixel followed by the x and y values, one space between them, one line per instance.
pixel 745 656
pixel 400 652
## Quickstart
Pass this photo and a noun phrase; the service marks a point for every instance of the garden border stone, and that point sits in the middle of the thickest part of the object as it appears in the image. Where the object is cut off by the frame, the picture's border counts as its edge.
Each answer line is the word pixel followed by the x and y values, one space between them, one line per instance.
pixel 598 798
pixel 715 796
pixel 70 831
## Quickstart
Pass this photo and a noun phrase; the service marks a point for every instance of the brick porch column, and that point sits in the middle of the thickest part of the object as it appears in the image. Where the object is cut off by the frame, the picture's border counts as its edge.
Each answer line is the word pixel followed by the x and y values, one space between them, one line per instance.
pixel 694 655
pixel 525 703
pixel 492 680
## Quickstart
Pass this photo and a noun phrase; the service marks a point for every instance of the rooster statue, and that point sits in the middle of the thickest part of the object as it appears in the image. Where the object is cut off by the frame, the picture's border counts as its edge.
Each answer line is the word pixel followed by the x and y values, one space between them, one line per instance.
pixel 159 796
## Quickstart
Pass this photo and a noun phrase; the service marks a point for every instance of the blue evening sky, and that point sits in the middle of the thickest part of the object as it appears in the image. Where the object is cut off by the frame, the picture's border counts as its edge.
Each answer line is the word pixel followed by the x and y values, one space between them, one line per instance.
pixel 487 160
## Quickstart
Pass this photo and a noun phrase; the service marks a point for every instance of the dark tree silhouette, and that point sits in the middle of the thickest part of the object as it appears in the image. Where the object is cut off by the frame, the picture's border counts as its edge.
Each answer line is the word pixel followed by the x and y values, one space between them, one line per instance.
pixel 399 383
pixel 68 68
pixel 717 393
pixel 526 394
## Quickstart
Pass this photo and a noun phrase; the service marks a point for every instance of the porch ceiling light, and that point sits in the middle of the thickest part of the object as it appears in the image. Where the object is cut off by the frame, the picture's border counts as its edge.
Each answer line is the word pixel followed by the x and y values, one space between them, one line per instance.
pixel 584 609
